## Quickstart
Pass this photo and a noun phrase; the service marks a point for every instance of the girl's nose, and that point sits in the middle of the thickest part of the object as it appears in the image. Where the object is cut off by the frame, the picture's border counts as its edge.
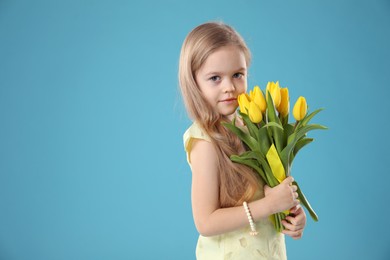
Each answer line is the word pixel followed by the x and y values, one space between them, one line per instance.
pixel 229 87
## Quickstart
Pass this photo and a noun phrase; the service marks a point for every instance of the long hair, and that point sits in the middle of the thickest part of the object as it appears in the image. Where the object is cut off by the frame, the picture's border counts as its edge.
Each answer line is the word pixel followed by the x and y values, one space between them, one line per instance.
pixel 238 183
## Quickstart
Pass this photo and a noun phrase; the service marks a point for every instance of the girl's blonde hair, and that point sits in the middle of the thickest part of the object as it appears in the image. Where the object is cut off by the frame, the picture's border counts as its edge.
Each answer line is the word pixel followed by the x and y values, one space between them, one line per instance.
pixel 238 183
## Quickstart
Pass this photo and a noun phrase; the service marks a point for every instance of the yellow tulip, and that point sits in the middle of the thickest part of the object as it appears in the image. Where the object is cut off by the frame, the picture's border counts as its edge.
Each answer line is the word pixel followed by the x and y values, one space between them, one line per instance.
pixel 300 108
pixel 284 106
pixel 258 97
pixel 243 102
pixel 274 89
pixel 255 114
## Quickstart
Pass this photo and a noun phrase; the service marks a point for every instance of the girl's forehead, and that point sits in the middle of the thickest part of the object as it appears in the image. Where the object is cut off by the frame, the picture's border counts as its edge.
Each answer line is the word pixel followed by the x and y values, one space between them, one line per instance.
pixel 225 58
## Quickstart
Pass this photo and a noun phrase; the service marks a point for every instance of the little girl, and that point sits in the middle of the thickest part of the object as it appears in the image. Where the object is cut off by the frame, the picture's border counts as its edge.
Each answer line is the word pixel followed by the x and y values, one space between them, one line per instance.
pixel 213 71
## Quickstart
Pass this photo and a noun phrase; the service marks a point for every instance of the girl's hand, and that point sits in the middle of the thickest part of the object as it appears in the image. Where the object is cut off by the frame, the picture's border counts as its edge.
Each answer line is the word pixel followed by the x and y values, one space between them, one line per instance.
pixel 295 222
pixel 283 196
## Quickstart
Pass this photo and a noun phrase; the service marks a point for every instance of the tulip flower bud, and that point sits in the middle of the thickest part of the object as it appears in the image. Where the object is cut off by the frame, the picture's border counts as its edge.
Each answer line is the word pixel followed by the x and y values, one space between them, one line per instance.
pixel 255 114
pixel 300 108
pixel 274 89
pixel 243 102
pixel 258 97
pixel 284 106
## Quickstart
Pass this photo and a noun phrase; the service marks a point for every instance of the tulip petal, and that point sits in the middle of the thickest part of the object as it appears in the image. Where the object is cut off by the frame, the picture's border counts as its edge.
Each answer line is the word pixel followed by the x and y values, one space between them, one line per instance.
pixel 259 99
pixel 284 105
pixel 274 90
pixel 255 113
pixel 300 109
pixel 243 102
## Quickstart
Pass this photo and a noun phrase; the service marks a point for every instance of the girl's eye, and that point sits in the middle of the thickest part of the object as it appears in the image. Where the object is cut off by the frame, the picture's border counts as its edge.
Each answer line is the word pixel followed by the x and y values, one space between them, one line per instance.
pixel 215 78
pixel 238 75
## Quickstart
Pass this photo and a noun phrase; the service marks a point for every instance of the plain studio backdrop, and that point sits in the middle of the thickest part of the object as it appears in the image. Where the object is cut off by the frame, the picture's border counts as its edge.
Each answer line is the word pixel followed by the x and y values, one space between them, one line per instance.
pixel 92 164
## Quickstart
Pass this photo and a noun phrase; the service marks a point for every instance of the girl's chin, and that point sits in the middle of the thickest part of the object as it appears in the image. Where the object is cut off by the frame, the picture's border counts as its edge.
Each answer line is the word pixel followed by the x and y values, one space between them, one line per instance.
pixel 230 114
pixel 228 110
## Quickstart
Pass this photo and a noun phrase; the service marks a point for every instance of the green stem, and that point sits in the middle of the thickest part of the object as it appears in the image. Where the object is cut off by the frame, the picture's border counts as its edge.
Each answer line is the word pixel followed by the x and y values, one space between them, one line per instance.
pixel 295 125
pixel 276 222
pixel 280 217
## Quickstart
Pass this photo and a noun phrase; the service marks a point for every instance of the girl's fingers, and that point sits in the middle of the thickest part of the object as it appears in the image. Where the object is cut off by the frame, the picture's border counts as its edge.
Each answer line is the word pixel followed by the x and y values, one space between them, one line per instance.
pixel 290 229
pixel 296 202
pixel 293 223
pixel 294 234
pixel 294 187
pixel 289 180
pixel 295 210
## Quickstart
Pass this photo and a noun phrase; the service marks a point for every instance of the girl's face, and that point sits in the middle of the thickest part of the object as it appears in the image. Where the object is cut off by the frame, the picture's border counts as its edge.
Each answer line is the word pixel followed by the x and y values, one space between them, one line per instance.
pixel 222 78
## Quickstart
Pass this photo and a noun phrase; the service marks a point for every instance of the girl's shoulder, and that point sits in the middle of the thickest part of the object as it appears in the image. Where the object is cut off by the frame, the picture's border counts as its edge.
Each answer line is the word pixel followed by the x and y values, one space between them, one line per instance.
pixel 194 132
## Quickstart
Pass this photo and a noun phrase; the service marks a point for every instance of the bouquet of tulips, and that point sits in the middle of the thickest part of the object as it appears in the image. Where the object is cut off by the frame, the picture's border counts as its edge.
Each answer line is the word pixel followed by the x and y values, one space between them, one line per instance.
pixel 272 143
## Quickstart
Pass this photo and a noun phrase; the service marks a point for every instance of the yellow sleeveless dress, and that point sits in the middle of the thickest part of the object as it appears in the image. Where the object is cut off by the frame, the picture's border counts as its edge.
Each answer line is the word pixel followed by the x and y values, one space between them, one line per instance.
pixel 238 244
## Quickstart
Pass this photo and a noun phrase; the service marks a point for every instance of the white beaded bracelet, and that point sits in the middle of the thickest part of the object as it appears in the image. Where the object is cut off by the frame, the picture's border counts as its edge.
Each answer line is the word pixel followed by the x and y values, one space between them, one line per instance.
pixel 251 223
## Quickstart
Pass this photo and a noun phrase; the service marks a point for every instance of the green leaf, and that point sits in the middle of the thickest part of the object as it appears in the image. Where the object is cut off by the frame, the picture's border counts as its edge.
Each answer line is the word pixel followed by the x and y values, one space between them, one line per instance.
pixel 299 133
pixel 264 141
pixel 252 128
pixel 288 130
pixel 307 118
pixel 246 138
pixel 251 163
pixel 271 112
pixel 306 203
pixel 299 145
pixel 283 119
pixel 277 133
pixel 273 124
pixel 270 178
pixel 248 155
pixel 293 139
pixel 272 181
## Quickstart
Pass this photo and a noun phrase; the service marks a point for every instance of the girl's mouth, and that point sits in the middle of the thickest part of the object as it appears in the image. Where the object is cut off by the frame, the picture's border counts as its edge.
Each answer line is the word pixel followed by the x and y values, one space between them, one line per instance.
pixel 229 100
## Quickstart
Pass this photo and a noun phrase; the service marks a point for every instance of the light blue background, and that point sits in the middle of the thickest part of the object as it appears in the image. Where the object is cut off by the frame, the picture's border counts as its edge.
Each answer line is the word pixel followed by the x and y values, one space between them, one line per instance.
pixel 91 121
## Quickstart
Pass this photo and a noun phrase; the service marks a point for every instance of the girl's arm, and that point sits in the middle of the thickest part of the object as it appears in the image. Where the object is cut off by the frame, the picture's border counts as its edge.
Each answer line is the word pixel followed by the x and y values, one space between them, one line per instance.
pixel 212 220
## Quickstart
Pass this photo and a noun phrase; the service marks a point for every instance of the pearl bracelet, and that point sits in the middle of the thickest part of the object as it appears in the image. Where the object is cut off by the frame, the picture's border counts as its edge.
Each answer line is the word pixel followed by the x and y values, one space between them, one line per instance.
pixel 251 223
